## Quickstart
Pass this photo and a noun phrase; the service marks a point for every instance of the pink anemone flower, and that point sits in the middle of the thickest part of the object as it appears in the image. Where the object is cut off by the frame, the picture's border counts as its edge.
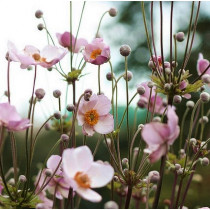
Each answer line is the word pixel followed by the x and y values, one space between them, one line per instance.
pixel 83 173
pixel 93 115
pixel 65 41
pixel 58 181
pixel 202 64
pixel 46 58
pixel 97 52
pixel 160 136
pixel 10 119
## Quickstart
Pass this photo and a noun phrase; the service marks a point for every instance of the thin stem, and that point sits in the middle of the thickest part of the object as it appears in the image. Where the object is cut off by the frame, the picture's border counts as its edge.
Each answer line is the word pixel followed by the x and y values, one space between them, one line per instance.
pixel 173 189
pixel 179 193
pixel 99 82
pixel 150 94
pixel 171 36
pixel 128 198
pixel 8 80
pixel 201 74
pixel 99 25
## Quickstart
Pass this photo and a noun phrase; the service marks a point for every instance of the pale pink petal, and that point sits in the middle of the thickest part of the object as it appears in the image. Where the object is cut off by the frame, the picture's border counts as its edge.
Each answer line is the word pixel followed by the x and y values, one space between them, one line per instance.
pixel 79 44
pixel 187 96
pixel 53 162
pixel 88 130
pixel 31 50
pixel 76 160
pixel 18 125
pixel 100 174
pixel 172 119
pixel 202 64
pixel 105 124
pixel 13 52
pixel 103 105
pixel 89 194
pixel 80 118
pixel 157 154
pixel 85 106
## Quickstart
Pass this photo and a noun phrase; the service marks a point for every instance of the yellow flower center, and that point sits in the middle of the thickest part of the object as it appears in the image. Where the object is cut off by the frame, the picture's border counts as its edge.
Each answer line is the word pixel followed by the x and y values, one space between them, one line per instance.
pixel 91 117
pixel 38 58
pixel 82 180
pixel 95 53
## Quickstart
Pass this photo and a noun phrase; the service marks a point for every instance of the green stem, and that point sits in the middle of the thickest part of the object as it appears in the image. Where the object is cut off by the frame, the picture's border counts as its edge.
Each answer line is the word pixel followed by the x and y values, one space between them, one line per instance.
pixel 99 25
pixel 99 82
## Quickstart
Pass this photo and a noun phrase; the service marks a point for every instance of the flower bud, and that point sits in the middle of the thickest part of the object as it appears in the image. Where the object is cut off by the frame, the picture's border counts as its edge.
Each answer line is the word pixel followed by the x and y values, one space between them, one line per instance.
pixel 38 14
pixel 87 96
pixel 174 64
pixel 167 87
pixel 6 93
pixel 29 68
pixel 177 166
pixel 150 84
pixel 154 176
pixel 182 71
pixel 156 119
pixel 7 56
pixel 111 205
pixel 125 171
pixel 57 115
pixel 182 152
pixel 56 93
pixel 115 179
pixel 193 141
pixel 205 161
pixel 154 187
pixel 129 76
pixel 205 145
pixel 167 71
pixel 70 107
pixel 40 93
pixel 180 37
pixel 11 182
pixel 47 126
pixel 125 161
pixel 50 69
pixel 190 104
pixel 125 50
pixel 167 64
pixel 204 97
pixel 180 171
pixel 204 119
pixel 40 26
pixel 48 172
pixel 177 99
pixel 22 179
pixel 206 78
pixel 88 91
pixel 141 89
pixel 141 104
pixel 64 137
pixel 109 76
pixel 140 126
pixel 112 12
pixel 167 202
pixel 151 65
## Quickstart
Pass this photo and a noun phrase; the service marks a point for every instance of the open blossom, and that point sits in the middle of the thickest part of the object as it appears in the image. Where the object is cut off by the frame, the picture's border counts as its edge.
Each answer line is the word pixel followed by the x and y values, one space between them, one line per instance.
pixel 58 181
pixel 202 64
pixel 65 41
pixel 49 56
pixel 144 100
pixel 93 115
pixel 160 136
pixel 97 52
pixel 83 173
pixel 10 119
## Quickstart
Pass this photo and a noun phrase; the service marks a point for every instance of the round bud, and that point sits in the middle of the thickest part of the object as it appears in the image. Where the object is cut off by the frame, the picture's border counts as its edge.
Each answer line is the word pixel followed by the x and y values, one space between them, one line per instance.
pixel 47 126
pixel 202 88
pixel 154 187
pixel 135 150
pixel 125 171
pixel 154 176
pixel 109 76
pixel 115 179
pixel 167 64
pixel 109 141
pixel 182 152
pixel 22 179
pixel 204 119
pixel 180 171
pixel 204 97
pixel 38 14
pixel 141 89
pixel 11 182
pixel 48 172
pixel 57 115
pixel 167 87
pixel 177 166
pixel 112 12
pixel 125 50
pixel 156 119
pixel 206 78
pixel 151 65
pixel 87 96
pixel 40 93
pixel 56 93
pixel 174 64
pixel 205 161
pixel 29 68
pixel 50 69
pixel 167 202
pixel 140 126
pixel 6 93
pixel 111 205
pixel 193 141
pixel 125 161
pixel 180 36
pixel 64 137
pixel 88 91
pixel 182 71
pixel 141 103
pixel 168 71
pixel 190 104
pixel 203 145
pixel 70 107
pixel 129 76
pixel 150 84
pixel 40 26
pixel 177 99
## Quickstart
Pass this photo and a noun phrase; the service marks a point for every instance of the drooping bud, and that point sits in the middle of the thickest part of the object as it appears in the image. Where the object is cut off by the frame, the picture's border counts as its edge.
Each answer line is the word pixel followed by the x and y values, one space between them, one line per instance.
pixel 125 50
pixel 112 12
pixel 180 37
pixel 40 93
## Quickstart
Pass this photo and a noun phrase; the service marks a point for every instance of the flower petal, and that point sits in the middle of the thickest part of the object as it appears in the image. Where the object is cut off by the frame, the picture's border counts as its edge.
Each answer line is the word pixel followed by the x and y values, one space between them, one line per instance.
pixel 103 105
pixel 52 163
pixel 87 130
pixel 89 194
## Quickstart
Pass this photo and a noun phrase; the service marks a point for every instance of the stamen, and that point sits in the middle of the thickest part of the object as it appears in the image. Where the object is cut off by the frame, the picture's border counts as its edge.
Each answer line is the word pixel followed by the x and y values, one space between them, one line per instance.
pixel 95 53
pixel 82 180
pixel 91 117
